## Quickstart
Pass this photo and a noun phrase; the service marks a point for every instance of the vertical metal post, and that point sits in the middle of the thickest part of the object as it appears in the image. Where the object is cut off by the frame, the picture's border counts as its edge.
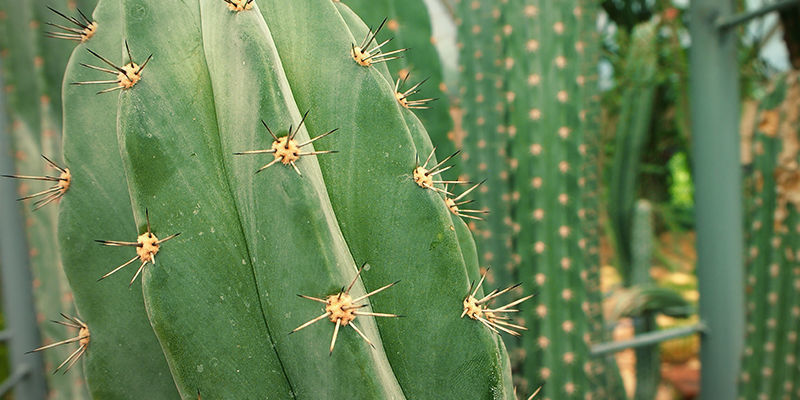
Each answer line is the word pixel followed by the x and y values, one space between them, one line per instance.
pixel 714 90
pixel 17 288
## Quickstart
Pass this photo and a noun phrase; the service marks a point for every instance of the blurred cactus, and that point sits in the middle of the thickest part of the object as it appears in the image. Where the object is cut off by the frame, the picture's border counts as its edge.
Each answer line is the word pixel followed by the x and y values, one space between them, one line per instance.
pixel 33 68
pixel 633 128
pixel 770 363
pixel 529 94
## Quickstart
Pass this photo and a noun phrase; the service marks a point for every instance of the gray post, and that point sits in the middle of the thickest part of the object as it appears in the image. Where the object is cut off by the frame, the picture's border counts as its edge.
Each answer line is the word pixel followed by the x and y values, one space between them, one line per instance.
pixel 714 95
pixel 17 295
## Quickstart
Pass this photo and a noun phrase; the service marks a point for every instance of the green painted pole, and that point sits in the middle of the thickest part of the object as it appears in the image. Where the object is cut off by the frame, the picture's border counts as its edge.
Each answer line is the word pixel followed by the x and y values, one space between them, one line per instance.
pixel 714 89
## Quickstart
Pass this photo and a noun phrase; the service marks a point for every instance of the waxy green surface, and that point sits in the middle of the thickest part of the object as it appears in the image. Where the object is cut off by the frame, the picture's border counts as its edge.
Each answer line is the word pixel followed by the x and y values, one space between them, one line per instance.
pixel 124 359
pixel 253 241
pixel 404 231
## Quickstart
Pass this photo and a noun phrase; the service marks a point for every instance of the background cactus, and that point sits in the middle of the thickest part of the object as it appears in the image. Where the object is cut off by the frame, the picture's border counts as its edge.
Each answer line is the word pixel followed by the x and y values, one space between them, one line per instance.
pixel 250 242
pixel 33 68
pixel 769 365
pixel 528 72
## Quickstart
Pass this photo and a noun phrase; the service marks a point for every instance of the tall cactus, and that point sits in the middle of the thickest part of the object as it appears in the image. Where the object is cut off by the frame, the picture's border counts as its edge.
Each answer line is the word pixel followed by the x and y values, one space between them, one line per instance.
pixel 485 137
pixel 224 80
pixel 532 132
pixel 33 68
pixel 770 365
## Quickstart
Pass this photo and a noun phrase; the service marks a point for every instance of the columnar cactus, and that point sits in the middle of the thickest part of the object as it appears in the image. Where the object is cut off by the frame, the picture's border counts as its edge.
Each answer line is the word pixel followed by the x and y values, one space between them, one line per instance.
pixel 485 137
pixel 770 364
pixel 191 117
pixel 32 69
pixel 545 114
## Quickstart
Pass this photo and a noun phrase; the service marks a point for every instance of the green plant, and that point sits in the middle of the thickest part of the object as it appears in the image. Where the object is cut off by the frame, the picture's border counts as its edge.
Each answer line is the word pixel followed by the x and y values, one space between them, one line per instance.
pixel 181 138
pixel 531 107
pixel 32 69
pixel 409 25
pixel 769 364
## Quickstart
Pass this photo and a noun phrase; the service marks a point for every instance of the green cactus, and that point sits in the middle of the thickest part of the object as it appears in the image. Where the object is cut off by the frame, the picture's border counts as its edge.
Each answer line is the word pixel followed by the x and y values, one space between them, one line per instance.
pixel 544 116
pixel 409 24
pixel 33 68
pixel 632 132
pixel 191 123
pixel 770 365
pixel 485 137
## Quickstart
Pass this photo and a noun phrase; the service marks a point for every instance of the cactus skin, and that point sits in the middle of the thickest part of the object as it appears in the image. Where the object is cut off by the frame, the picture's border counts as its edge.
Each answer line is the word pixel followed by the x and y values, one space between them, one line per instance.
pixel 410 25
pixel 485 136
pixel 98 207
pixel 770 365
pixel 33 67
pixel 421 239
pixel 249 242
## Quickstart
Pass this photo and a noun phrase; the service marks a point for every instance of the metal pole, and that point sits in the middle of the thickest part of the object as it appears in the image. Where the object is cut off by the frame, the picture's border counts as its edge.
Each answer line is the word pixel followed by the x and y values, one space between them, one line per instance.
pixel 17 295
pixel 731 21
pixel 646 339
pixel 714 90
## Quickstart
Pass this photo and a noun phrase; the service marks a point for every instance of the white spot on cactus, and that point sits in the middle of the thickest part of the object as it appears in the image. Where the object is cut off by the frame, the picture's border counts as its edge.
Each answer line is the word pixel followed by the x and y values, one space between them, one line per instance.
pixel 563 198
pixel 536 149
pixel 563 166
pixel 538 214
pixel 539 247
pixel 558 28
pixel 531 11
pixel 536 182
pixel 543 342
pixel 561 62
pixel 564 132
pixel 569 387
pixel 544 373
pixel 540 279
pixel 769 347
pixel 541 310
pixel 534 79
pixel 535 114
pixel 566 294
pixel 568 326
pixel 566 263
pixel 564 231
pixel 562 96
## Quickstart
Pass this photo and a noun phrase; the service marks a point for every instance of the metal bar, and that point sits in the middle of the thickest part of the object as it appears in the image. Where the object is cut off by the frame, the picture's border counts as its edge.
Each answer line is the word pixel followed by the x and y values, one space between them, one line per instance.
pixel 733 20
pixel 15 377
pixel 715 101
pixel 646 339
pixel 17 287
